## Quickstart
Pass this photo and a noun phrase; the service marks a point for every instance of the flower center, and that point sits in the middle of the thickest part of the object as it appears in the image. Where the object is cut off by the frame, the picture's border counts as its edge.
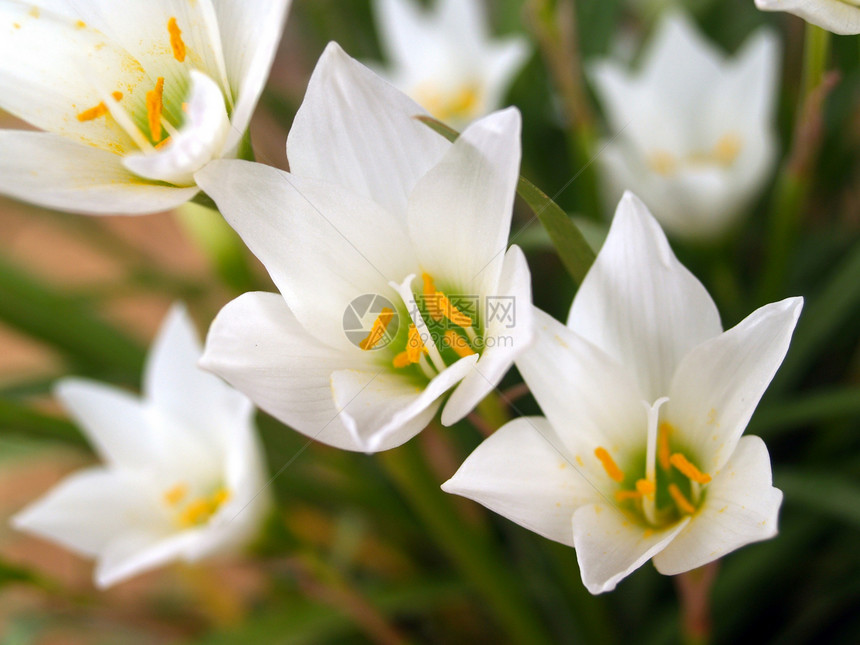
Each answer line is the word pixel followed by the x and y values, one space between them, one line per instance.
pixel 153 116
pixel 724 154
pixel 194 511
pixel 449 332
pixel 463 103
pixel 674 487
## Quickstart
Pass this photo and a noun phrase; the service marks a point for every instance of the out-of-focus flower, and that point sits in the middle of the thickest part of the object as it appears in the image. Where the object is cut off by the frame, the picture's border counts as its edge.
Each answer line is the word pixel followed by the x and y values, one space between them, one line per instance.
pixel 445 59
pixel 183 474
pixel 838 16
pixel 133 96
pixel 692 131
pixel 384 219
pixel 640 455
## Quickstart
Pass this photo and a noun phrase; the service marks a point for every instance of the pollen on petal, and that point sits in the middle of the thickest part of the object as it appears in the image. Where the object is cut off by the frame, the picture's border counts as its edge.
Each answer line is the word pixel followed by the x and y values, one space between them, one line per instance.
pixel 459 344
pixel 609 464
pixel 176 42
pixel 154 106
pixel 680 462
pixel 377 331
pixel 680 501
pixel 176 494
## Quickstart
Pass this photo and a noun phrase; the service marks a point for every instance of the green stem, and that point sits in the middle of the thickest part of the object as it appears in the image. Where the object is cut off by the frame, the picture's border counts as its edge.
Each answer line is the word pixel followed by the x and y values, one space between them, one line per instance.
pixel 476 556
pixel 795 177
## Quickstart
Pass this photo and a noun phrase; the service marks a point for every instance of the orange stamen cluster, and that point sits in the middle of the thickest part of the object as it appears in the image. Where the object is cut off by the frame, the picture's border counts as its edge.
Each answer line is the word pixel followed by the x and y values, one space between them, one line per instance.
pixel 680 501
pixel 687 469
pixel 377 331
pixel 609 464
pixel 414 349
pixel 99 110
pixel 459 344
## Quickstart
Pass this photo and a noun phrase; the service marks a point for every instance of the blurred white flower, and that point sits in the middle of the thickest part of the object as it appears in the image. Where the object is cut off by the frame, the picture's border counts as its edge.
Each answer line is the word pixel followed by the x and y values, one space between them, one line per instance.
pixel 183 474
pixel 838 16
pixel 445 59
pixel 381 218
pixel 134 97
pixel 692 131
pixel 640 455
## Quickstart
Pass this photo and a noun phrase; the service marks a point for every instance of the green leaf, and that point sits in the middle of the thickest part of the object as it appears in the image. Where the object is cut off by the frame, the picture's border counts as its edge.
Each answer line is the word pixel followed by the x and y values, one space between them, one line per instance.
pixel 18 419
pixel 823 493
pixel 64 323
pixel 569 242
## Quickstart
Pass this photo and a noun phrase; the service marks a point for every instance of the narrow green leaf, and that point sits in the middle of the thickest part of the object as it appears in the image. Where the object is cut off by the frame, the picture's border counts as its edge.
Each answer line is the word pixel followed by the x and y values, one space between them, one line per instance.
pixel 817 407
pixel 569 242
pixel 822 492
pixel 20 420
pixel 39 311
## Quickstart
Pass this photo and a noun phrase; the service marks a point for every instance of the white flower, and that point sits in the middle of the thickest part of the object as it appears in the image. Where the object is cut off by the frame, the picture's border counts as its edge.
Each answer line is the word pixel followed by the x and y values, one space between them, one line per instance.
pixel 377 204
pixel 445 59
pixel 640 455
pixel 133 96
pixel 183 475
pixel 838 16
pixel 692 131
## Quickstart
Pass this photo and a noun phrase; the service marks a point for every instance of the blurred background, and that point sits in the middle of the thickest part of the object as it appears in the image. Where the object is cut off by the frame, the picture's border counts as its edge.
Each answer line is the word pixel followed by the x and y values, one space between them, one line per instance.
pixel 366 548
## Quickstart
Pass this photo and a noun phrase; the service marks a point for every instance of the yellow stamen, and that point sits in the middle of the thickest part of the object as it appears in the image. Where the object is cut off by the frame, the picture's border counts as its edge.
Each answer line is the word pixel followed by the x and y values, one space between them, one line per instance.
pixel 377 331
pixel 176 42
pixel 456 342
pixel 624 495
pixel 202 508
pixel 663 445
pixel 431 300
pixel 154 106
pixel 727 149
pixel 176 494
pixel 451 312
pixel 117 96
pixel 609 464
pixel 662 162
pixel 402 360
pixel 219 497
pixel 162 144
pixel 680 462
pixel 93 113
pixel 645 486
pixel 680 501
pixel 414 345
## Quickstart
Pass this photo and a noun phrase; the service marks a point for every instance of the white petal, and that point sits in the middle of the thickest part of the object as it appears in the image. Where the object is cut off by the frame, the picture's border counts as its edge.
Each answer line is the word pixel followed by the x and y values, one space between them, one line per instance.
pixel 406 33
pixel 610 546
pixel 382 410
pixel 740 507
pixel 507 318
pixel 51 71
pixel 519 473
pixel 139 551
pixel 250 35
pixel 355 130
pixel 503 61
pixel 91 508
pixel 55 172
pixel 200 139
pixel 834 15
pixel 585 395
pixel 460 211
pixel 639 304
pixel 206 408
pixel 258 346
pixel 719 383
pixel 114 420
pixel 323 245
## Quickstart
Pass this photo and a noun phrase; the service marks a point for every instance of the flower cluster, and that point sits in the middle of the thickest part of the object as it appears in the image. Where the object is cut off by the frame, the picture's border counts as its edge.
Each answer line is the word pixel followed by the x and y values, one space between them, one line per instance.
pixel 400 295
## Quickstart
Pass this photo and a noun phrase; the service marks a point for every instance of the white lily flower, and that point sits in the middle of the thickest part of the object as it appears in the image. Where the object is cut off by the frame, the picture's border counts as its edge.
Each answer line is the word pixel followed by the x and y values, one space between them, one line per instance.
pixel 183 474
pixel 133 96
pixel 382 218
pixel 640 455
pixel 692 131
pixel 445 59
pixel 839 16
